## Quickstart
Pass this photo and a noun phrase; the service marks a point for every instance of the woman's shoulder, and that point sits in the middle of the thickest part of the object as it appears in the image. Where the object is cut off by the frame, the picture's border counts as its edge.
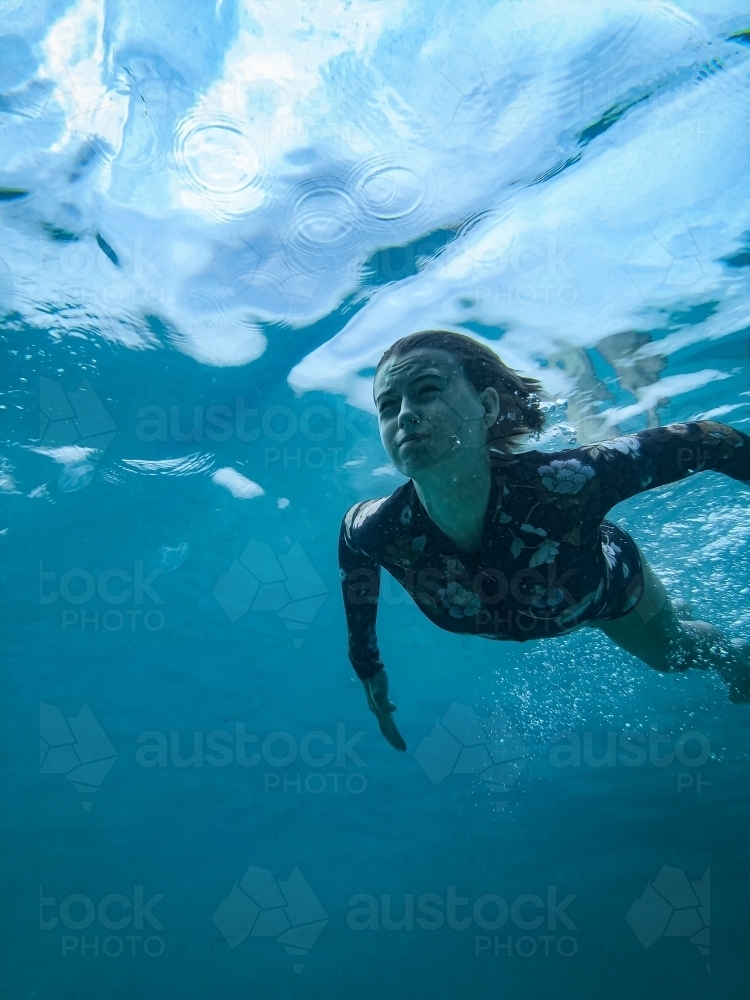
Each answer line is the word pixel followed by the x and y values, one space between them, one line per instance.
pixel 512 463
pixel 533 465
pixel 373 515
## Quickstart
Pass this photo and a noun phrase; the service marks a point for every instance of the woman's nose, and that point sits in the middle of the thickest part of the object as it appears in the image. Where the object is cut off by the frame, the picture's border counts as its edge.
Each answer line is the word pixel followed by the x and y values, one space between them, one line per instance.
pixel 407 416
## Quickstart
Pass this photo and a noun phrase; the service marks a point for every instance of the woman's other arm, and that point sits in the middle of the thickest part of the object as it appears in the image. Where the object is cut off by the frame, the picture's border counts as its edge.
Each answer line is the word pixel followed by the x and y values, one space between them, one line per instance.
pixel 360 584
pixel 601 475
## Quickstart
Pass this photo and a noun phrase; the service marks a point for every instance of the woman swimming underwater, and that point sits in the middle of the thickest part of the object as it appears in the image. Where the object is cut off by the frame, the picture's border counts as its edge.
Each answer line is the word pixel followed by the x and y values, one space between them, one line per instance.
pixel 514 545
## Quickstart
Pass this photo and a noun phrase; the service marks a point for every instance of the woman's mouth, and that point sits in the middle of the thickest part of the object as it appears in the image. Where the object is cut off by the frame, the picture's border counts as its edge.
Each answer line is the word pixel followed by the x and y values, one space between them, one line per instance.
pixel 410 438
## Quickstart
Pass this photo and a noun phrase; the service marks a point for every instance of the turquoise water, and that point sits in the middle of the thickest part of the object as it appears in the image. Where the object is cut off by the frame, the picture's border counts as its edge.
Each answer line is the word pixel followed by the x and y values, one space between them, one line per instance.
pixel 213 219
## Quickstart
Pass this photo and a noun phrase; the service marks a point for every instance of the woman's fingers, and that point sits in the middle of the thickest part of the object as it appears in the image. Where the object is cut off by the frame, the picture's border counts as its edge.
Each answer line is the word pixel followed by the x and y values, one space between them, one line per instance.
pixel 390 732
pixel 384 706
pixel 377 696
pixel 376 689
pixel 372 693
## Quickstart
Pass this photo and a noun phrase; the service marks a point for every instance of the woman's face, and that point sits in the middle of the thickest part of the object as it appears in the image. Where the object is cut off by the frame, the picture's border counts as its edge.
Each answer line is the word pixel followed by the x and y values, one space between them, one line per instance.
pixel 428 411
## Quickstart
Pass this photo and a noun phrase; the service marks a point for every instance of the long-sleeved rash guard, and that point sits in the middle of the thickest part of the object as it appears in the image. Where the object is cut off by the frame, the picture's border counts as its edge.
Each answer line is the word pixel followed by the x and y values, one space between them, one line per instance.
pixel 547 562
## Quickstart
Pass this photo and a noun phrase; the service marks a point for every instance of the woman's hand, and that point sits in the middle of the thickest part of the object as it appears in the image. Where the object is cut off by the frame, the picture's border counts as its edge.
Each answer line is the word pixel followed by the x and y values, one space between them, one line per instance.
pixel 376 689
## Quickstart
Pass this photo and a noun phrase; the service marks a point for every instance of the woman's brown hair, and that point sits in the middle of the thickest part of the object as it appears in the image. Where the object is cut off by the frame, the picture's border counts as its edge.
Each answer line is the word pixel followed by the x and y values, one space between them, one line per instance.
pixel 484 369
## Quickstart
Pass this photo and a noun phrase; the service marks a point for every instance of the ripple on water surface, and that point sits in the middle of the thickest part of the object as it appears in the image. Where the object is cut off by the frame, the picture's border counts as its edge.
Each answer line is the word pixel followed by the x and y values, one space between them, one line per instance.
pixel 188 465
pixel 338 213
pixel 324 217
pixel 388 191
pixel 220 161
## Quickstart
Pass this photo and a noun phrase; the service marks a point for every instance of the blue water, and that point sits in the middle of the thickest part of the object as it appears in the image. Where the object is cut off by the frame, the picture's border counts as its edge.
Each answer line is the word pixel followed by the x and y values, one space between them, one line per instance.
pixel 213 219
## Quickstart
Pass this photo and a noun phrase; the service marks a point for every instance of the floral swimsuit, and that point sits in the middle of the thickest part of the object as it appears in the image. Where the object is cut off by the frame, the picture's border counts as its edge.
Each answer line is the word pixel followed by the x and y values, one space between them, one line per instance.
pixel 548 561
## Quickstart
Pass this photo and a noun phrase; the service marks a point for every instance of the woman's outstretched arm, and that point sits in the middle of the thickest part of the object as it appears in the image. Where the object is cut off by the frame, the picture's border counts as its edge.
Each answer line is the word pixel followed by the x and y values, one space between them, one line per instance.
pixel 360 584
pixel 593 479
pixel 628 465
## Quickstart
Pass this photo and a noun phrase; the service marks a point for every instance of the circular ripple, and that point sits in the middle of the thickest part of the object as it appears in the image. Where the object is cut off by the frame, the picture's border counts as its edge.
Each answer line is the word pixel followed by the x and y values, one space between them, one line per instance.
pixel 323 218
pixel 390 192
pixel 218 157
